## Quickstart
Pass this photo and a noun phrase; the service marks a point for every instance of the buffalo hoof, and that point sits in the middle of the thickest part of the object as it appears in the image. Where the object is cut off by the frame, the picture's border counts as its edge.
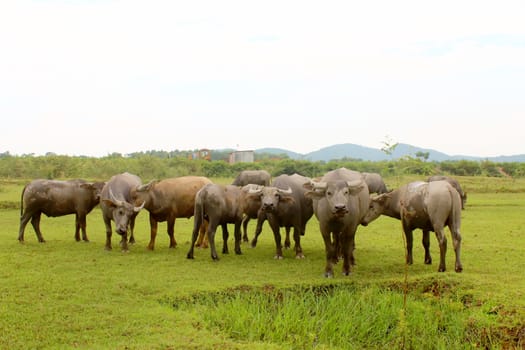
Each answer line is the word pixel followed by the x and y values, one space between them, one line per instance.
pixel 442 269
pixel 278 257
pixel 189 256
pixel 238 252
pixel 253 244
pixel 346 273
pixel 108 248
pixel 300 256
pixel 459 268
pixel 86 240
pixel 328 275
pixel 428 261
pixel 42 240
pixel 215 258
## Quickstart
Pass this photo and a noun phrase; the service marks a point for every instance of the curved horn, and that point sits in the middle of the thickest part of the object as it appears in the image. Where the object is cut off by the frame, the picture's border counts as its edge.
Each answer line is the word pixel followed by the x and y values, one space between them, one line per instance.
pixel 137 209
pixel 319 185
pixel 113 199
pixel 255 189
pixel 287 191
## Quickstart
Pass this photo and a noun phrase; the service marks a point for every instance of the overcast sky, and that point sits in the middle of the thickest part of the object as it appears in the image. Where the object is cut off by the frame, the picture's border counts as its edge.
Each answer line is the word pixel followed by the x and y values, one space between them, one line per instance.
pixel 97 77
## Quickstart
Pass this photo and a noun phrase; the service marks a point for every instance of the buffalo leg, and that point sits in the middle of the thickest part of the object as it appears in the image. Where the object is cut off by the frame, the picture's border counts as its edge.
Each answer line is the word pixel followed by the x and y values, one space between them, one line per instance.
pixel 35 221
pixel 287 243
pixel 24 219
pixel 132 228
pixel 409 242
pixel 456 241
pixel 258 229
pixel 277 237
pixel 171 232
pixel 82 224
pixel 442 240
pixel 212 228
pixel 154 225
pixel 245 221
pixel 237 237
pixel 197 224
pixel 426 245
pixel 297 239
pixel 77 228
pixel 225 235
pixel 202 241
pixel 107 223
pixel 331 255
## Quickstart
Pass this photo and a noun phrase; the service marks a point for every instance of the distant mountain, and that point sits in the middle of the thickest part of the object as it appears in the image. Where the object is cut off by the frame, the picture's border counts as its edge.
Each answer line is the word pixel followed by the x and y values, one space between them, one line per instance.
pixel 349 150
pixel 276 151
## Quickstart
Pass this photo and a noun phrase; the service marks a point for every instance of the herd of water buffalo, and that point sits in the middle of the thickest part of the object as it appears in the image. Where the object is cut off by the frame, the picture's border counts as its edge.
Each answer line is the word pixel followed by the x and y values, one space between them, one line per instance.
pixel 341 201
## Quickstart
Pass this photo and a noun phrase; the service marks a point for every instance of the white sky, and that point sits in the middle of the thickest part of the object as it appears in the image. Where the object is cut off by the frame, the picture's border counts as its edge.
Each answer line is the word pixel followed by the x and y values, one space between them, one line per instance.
pixel 96 77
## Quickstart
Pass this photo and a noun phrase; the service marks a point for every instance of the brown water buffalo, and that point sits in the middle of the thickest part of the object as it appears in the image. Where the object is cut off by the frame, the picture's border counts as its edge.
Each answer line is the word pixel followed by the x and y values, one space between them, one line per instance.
pixel 429 206
pixel 251 177
pixel 218 205
pixel 58 198
pixel 285 205
pixel 167 200
pixel 454 184
pixel 375 183
pixel 117 205
pixel 340 201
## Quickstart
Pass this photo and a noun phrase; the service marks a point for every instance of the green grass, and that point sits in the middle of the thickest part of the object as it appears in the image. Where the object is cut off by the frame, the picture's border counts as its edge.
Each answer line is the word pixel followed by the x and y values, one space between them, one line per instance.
pixel 64 294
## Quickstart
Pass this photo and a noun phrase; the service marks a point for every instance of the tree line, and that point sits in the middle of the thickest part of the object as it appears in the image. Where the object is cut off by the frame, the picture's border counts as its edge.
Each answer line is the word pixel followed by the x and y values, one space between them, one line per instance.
pixel 159 165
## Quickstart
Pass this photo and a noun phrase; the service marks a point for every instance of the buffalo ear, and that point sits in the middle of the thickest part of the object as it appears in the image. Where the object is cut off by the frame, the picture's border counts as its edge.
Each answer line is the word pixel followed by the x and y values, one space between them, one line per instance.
pixel 109 202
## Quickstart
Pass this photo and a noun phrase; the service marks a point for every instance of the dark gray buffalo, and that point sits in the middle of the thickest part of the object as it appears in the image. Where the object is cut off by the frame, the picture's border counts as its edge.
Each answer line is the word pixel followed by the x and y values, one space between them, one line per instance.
pixel 454 184
pixel 253 177
pixel 58 198
pixel 284 205
pixel 168 200
pixel 117 205
pixel 218 205
pixel 429 206
pixel 340 202
pixel 375 183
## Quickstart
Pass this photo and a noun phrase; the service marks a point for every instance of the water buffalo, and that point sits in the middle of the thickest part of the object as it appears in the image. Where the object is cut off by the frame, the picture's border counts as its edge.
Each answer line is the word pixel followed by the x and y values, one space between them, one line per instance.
pixel 375 183
pixel 340 201
pixel 454 184
pixel 58 198
pixel 219 205
pixel 117 205
pixel 247 177
pixel 429 206
pixel 167 200
pixel 285 205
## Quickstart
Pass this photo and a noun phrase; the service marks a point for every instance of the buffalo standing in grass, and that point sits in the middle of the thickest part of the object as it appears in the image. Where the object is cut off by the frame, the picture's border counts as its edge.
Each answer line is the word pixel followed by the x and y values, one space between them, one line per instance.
pixel 251 177
pixel 375 183
pixel 454 184
pixel 58 198
pixel 168 200
pixel 284 205
pixel 429 206
pixel 218 205
pixel 117 205
pixel 340 201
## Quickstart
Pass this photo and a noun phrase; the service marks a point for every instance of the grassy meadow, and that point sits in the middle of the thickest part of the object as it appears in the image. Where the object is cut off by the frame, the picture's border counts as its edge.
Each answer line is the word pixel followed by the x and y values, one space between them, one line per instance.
pixel 66 294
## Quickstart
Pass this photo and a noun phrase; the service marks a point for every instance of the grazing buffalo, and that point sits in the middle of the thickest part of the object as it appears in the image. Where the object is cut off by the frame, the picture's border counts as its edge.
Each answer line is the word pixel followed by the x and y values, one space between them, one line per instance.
pixel 454 184
pixel 340 201
pixel 284 205
pixel 251 177
pixel 375 183
pixel 167 200
pixel 117 205
pixel 218 205
pixel 58 198
pixel 429 206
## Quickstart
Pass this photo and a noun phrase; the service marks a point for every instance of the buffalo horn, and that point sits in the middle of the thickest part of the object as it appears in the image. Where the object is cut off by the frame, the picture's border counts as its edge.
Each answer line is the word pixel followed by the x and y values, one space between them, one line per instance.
pixel 255 189
pixel 113 199
pixel 287 191
pixel 137 209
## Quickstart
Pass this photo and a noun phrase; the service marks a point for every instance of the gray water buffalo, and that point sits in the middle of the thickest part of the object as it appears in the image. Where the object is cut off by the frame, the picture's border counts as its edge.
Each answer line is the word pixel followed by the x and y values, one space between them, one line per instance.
pixel 167 200
pixel 117 205
pixel 58 198
pixel 454 184
pixel 218 205
pixel 429 206
pixel 340 202
pixel 284 205
pixel 248 177
pixel 375 183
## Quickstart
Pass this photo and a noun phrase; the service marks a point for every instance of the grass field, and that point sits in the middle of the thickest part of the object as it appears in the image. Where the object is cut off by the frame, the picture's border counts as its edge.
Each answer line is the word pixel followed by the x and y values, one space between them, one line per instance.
pixel 64 294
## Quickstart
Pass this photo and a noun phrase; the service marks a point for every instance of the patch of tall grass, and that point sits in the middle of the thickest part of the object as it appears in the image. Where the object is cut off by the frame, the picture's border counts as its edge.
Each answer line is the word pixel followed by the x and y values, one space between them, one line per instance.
pixel 343 316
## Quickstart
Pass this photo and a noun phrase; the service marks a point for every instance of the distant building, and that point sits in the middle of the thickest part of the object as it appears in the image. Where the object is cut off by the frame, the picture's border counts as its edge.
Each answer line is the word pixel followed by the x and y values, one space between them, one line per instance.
pixel 242 157
pixel 203 153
